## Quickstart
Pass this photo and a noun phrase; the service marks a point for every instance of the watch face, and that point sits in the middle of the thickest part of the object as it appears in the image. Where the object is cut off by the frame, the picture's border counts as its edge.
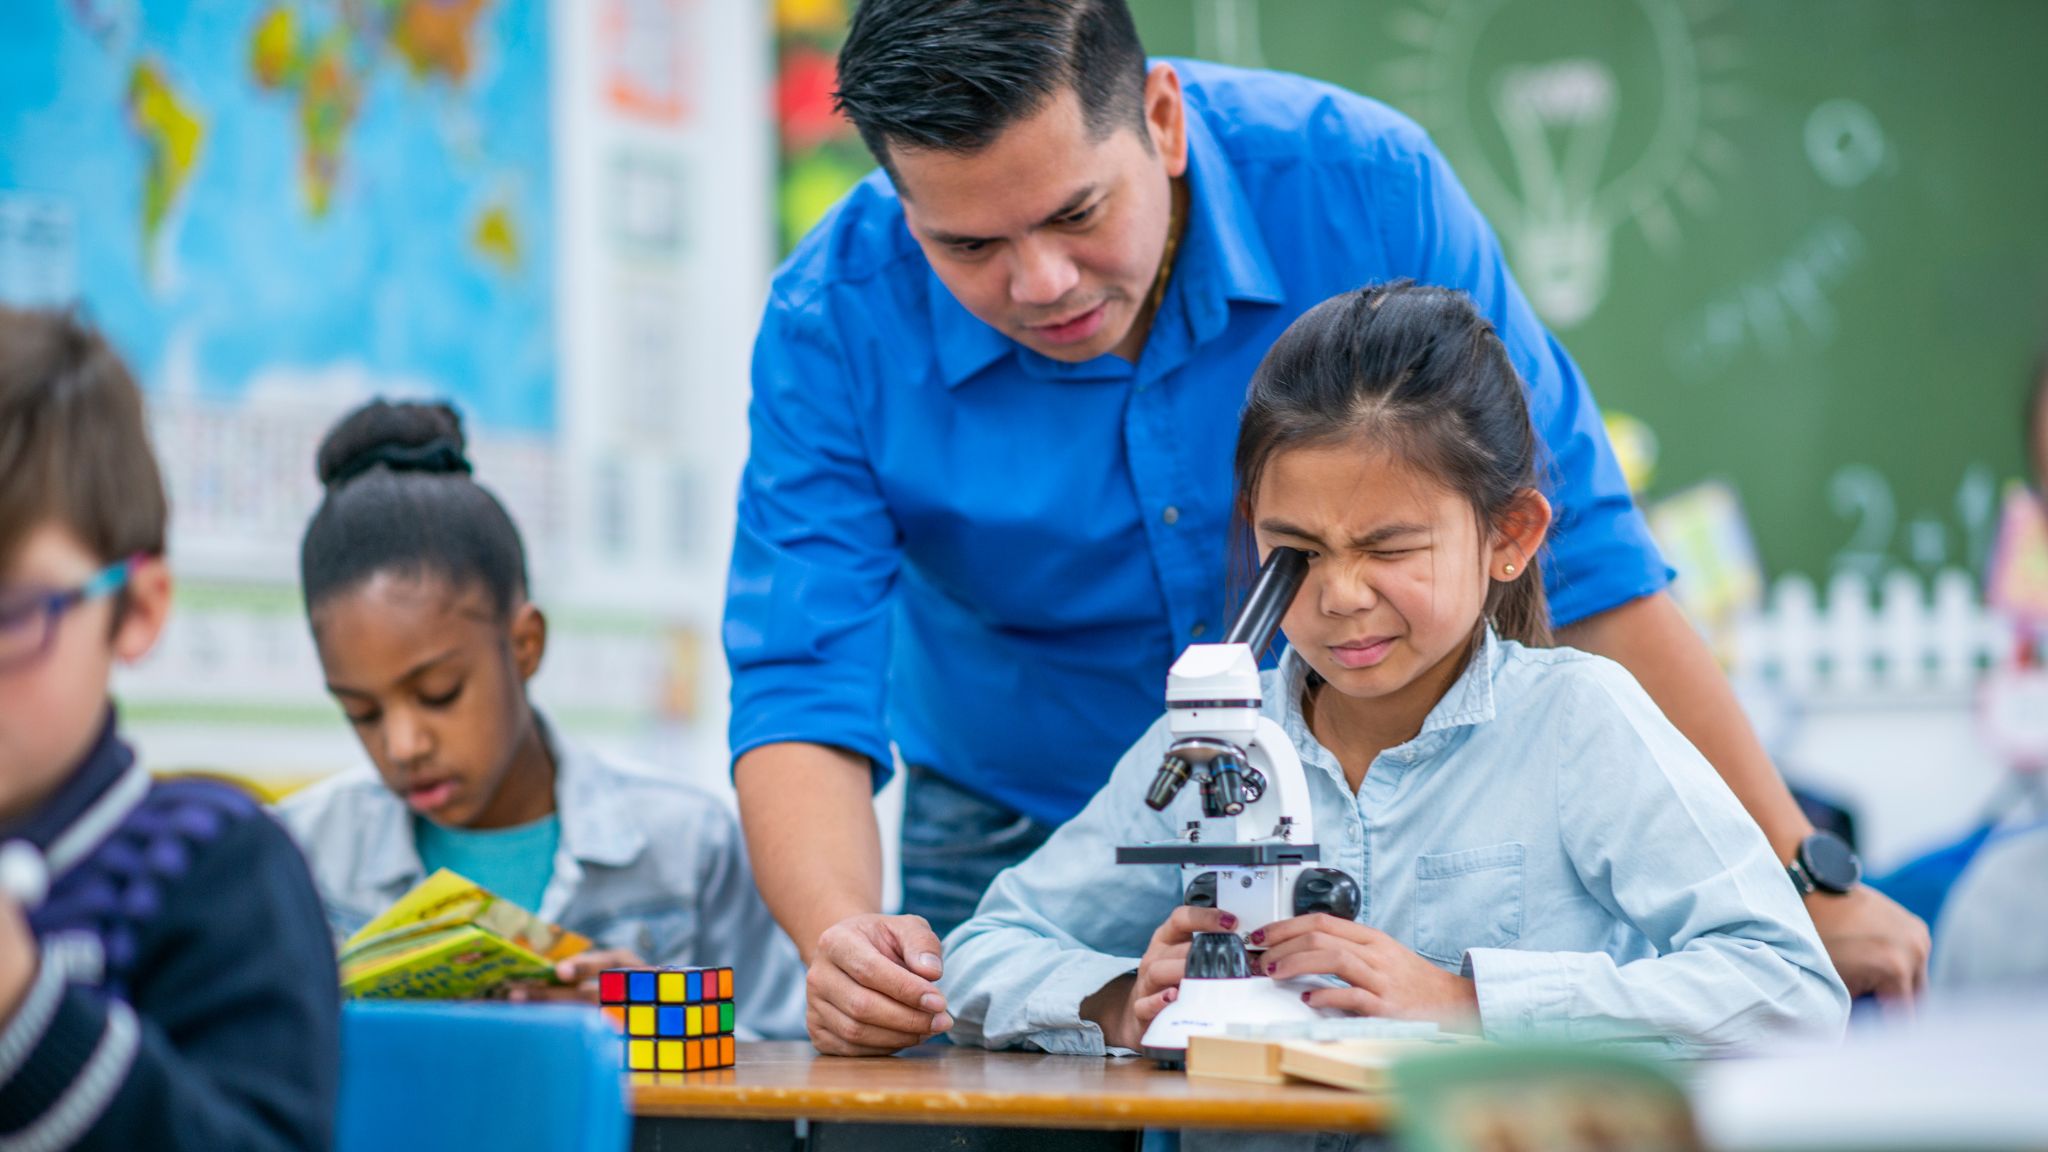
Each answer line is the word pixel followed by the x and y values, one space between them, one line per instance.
pixel 1831 862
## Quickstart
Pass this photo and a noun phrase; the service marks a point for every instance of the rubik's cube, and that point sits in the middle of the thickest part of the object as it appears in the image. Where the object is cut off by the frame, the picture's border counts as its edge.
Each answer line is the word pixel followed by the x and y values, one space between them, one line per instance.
pixel 674 1019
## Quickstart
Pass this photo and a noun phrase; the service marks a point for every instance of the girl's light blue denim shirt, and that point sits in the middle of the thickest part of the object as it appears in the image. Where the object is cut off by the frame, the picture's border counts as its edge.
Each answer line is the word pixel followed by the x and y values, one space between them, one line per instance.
pixel 646 862
pixel 1547 833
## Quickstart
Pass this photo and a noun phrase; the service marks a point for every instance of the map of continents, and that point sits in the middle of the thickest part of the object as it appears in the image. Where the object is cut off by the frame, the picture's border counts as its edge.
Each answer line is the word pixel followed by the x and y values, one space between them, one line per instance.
pixel 248 193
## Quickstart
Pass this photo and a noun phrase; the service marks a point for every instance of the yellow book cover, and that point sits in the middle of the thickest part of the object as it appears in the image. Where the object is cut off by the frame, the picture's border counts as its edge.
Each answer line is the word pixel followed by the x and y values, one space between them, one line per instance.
pixel 450 939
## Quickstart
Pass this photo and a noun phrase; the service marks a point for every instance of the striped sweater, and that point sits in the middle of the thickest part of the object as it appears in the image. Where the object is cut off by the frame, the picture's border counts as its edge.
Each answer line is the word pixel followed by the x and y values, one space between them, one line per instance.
pixel 186 996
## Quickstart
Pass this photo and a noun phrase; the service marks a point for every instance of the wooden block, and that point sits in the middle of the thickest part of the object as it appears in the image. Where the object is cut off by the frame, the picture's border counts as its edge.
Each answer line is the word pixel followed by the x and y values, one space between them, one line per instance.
pixel 1235 1058
pixel 1360 1065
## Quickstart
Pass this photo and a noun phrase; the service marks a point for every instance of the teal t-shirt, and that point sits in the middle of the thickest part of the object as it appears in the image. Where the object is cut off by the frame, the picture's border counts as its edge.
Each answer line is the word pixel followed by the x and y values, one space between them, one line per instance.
pixel 513 862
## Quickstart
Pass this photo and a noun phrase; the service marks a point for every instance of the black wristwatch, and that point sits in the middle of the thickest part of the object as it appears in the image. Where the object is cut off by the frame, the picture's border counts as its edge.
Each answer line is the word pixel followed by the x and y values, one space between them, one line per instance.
pixel 1824 863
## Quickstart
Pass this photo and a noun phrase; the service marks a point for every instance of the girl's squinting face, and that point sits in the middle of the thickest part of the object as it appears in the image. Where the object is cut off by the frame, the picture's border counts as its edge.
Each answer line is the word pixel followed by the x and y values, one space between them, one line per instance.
pixel 427 676
pixel 1398 569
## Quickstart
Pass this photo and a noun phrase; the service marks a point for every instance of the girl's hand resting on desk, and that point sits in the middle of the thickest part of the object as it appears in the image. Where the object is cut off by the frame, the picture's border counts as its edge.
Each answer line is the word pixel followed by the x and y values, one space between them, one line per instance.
pixel 578 975
pixel 1124 1008
pixel 1385 977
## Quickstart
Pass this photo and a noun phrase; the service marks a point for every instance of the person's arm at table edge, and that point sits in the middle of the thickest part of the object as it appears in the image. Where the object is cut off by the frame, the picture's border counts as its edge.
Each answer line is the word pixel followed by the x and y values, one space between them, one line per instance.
pixel 1877 946
pixel 809 817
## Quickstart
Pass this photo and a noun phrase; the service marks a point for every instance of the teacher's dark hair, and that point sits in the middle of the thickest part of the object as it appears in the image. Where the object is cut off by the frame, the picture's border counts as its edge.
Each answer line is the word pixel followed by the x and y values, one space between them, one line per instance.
pixel 951 75
pixel 400 499
pixel 1420 372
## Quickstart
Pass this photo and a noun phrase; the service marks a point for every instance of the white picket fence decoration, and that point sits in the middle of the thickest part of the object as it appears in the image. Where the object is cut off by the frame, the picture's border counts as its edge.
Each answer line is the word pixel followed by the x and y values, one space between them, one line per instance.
pixel 1894 644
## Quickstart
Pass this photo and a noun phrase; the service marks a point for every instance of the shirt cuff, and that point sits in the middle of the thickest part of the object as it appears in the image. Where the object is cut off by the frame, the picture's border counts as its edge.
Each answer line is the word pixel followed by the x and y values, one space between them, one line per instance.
pixel 1052 1014
pixel 1522 995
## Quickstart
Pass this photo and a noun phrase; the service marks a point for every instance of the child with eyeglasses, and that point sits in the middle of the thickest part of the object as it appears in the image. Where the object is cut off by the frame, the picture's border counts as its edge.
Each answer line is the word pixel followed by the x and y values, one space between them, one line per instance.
pixel 166 979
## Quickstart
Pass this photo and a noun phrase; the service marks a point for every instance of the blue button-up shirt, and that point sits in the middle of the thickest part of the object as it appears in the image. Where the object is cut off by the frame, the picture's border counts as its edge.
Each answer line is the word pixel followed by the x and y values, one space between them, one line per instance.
pixel 1547 832
pixel 991 557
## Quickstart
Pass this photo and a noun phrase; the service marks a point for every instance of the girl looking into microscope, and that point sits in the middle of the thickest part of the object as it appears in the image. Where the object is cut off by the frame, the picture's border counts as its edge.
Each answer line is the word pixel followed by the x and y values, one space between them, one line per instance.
pixel 1539 850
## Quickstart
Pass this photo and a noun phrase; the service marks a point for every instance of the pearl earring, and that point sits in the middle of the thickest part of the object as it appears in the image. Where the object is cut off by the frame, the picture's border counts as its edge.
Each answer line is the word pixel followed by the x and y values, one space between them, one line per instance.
pixel 1511 569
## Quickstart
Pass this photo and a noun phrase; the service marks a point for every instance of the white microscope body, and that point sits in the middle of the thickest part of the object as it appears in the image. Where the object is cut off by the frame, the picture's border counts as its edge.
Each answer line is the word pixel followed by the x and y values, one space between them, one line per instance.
pixel 1253 852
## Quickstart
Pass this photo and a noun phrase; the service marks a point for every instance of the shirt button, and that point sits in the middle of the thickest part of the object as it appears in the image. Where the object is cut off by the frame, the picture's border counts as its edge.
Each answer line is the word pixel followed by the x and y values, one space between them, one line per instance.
pixel 1171 515
pixel 1198 629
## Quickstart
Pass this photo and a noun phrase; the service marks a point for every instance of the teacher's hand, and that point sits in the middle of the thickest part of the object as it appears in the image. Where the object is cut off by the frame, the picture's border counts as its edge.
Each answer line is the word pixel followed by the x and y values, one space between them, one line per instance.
pixel 1878 947
pixel 870 989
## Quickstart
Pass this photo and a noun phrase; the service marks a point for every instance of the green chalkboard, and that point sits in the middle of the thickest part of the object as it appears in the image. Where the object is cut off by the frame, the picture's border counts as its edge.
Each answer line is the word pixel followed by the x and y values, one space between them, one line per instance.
pixel 1804 241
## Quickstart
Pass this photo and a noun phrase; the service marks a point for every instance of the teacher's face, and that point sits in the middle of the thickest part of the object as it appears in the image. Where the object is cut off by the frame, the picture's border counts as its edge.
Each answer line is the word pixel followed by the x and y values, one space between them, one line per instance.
pixel 1050 234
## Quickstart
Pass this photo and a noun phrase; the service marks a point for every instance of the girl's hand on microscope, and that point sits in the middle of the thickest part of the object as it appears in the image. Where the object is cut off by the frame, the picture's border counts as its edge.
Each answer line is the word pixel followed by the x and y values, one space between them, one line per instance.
pixel 1125 1018
pixel 1385 978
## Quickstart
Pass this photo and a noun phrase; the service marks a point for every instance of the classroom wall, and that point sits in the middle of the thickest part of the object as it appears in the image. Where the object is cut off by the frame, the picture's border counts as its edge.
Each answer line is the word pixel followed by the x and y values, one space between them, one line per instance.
pixel 560 217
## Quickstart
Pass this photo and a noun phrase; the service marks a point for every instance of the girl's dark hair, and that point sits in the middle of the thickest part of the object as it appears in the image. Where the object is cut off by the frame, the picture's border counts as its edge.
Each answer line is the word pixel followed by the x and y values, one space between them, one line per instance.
pixel 400 499
pixel 1417 371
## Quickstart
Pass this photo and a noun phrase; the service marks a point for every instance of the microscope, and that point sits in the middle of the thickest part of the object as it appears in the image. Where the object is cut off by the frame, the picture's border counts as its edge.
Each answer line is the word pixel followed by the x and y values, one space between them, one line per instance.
pixel 1253 852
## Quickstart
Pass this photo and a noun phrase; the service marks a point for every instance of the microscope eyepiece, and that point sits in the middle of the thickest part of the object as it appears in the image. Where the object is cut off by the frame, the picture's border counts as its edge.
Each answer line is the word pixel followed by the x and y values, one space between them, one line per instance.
pixel 1272 592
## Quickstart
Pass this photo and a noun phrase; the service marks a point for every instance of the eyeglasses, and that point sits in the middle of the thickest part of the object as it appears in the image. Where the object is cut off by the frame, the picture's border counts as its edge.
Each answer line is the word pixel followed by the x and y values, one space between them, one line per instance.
pixel 29 617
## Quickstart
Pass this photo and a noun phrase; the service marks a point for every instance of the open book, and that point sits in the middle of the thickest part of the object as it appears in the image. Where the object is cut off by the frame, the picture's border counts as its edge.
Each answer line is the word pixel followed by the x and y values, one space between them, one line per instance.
pixel 449 939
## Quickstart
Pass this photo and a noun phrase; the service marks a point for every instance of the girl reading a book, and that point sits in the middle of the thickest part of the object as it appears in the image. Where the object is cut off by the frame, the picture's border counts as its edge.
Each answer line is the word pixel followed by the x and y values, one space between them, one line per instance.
pixel 415 587
pixel 1539 850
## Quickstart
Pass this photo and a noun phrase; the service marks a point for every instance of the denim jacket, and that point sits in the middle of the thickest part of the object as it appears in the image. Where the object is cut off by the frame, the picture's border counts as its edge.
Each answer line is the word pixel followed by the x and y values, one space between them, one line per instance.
pixel 1547 833
pixel 646 862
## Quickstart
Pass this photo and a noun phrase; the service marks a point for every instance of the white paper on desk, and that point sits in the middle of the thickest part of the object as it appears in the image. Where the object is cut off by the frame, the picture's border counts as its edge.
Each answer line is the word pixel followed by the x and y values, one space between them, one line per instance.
pixel 1964 1074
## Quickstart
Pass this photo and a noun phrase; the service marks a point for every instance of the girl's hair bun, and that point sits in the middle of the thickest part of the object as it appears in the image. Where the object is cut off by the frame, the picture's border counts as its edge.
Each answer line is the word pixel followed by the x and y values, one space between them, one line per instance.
pixel 404 437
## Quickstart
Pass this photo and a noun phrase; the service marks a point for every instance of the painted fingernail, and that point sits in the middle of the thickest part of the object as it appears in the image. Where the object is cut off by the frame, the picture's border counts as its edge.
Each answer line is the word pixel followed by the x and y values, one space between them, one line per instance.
pixel 1304 997
pixel 1259 937
pixel 1229 921
pixel 932 1002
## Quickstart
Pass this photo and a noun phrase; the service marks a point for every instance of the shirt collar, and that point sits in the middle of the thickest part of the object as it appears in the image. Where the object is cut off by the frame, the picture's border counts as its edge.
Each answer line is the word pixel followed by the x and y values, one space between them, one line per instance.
pixel 598 827
pixel 1222 258
pixel 1468 703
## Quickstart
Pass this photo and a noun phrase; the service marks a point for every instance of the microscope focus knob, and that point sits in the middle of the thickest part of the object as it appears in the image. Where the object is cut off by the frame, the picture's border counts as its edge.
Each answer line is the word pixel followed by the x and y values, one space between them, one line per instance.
pixel 1217 956
pixel 1201 891
pixel 1327 890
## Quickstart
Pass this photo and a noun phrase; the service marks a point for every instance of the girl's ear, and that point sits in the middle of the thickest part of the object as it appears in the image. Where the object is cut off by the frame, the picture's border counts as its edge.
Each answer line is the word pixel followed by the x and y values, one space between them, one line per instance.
pixel 1518 535
pixel 529 639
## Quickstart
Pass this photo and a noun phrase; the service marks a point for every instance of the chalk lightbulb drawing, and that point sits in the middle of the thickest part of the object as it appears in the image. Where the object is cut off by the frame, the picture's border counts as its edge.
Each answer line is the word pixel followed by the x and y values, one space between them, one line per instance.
pixel 1568 120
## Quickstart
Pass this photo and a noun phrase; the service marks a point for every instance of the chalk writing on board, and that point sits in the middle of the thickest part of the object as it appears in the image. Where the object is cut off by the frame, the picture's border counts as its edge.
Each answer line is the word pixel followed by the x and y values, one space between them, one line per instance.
pixel 1613 132
pixel 1844 142
pixel 1863 497
pixel 1778 310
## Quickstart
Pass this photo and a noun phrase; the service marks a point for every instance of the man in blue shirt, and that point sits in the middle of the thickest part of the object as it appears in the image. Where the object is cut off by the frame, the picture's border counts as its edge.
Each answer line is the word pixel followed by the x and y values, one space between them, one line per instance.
pixel 989 498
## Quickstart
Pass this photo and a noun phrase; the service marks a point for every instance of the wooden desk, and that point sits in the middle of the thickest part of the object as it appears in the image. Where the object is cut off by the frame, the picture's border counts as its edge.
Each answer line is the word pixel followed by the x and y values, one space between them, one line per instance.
pixel 962 1098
